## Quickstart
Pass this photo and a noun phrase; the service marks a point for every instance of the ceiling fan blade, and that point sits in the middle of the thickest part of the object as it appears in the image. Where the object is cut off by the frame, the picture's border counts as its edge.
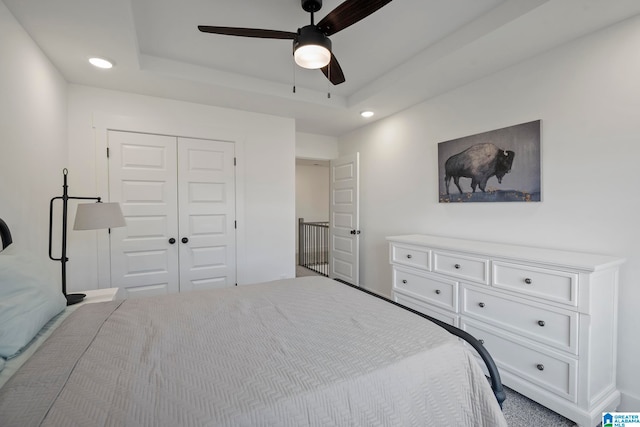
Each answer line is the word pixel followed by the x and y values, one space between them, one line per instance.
pixel 348 13
pixel 333 71
pixel 248 32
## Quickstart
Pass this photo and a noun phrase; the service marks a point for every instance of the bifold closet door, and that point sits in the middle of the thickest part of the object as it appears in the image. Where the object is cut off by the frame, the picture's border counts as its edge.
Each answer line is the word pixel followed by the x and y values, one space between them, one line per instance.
pixel 178 198
pixel 142 177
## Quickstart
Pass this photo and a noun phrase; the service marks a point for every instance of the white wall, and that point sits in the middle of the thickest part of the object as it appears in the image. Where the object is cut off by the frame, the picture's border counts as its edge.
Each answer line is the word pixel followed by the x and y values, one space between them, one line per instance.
pixel 317 147
pixel 312 192
pixel 586 94
pixel 33 135
pixel 266 174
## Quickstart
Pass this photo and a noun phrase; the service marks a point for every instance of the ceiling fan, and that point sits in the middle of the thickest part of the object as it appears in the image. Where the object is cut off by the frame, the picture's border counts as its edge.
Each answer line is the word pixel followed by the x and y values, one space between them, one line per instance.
pixel 311 44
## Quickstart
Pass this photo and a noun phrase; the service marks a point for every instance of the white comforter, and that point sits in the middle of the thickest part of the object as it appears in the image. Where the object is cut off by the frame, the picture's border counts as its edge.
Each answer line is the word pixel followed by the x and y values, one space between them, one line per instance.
pixel 304 352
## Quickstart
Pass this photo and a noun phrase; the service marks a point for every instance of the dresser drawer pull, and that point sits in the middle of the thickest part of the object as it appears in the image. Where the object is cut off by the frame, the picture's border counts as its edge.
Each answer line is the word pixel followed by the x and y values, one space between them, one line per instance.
pixel 409 256
pixel 404 281
pixel 540 367
pixel 541 322
pixel 528 281
pixel 457 266
pixel 481 304
pixel 437 291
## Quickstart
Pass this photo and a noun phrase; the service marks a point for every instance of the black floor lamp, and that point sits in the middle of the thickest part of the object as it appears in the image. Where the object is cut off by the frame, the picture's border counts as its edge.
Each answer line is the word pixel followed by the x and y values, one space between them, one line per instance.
pixel 89 216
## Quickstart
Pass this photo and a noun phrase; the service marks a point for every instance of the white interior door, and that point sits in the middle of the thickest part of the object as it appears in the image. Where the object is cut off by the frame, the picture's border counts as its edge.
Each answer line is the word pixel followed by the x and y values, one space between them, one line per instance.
pixel 344 222
pixel 206 198
pixel 142 177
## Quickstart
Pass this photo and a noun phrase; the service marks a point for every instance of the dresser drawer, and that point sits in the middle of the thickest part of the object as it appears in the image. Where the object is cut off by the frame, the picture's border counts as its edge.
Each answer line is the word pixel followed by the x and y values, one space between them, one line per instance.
pixel 547 369
pixel 553 285
pixel 554 327
pixel 410 255
pixel 432 289
pixel 461 266
pixel 429 310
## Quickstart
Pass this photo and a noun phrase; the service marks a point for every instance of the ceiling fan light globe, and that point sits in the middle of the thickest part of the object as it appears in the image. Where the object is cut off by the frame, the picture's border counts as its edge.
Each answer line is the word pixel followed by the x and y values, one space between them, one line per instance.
pixel 312 56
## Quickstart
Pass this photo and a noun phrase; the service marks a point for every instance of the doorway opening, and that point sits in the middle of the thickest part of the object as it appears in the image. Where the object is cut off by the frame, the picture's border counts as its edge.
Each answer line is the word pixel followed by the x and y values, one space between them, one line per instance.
pixel 312 213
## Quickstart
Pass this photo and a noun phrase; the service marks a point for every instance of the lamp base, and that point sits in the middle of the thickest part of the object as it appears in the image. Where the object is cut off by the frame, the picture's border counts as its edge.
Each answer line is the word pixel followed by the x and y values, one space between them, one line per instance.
pixel 74 298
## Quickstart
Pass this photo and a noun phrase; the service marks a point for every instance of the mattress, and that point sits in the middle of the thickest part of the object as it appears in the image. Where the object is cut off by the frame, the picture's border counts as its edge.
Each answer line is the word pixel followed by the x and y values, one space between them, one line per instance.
pixel 299 352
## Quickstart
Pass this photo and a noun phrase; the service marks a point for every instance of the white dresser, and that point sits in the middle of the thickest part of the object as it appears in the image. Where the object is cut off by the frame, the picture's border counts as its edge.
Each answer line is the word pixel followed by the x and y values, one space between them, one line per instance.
pixel 548 317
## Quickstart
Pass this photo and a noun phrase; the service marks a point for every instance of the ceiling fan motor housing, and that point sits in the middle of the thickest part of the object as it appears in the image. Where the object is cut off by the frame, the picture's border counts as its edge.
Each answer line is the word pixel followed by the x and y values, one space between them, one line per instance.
pixel 309 34
pixel 311 5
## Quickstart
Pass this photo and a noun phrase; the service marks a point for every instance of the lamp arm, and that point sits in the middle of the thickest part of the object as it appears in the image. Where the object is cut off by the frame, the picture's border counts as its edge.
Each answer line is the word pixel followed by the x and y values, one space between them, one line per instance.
pixel 64 199
pixel 51 227
pixel 98 199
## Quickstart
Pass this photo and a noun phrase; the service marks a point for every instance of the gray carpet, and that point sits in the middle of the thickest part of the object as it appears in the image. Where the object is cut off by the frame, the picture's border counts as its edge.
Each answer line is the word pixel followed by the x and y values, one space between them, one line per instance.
pixel 303 271
pixel 519 410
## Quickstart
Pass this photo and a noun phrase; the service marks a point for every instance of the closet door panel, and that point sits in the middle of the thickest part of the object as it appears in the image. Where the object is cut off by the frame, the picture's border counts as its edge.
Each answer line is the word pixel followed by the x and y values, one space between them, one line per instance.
pixel 142 177
pixel 206 199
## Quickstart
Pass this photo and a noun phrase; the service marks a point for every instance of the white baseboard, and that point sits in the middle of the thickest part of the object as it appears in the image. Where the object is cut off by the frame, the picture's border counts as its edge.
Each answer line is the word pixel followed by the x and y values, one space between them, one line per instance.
pixel 628 403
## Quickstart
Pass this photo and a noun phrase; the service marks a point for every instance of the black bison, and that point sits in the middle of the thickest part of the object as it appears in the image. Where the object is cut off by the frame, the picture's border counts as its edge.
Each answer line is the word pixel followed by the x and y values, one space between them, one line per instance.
pixel 478 162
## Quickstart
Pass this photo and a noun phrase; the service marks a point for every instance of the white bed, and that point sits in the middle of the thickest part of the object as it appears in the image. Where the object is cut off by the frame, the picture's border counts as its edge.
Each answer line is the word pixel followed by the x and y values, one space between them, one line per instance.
pixel 309 351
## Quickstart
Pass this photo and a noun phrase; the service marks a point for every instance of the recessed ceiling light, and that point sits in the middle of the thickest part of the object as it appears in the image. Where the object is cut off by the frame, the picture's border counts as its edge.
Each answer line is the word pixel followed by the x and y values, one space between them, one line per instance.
pixel 366 114
pixel 101 63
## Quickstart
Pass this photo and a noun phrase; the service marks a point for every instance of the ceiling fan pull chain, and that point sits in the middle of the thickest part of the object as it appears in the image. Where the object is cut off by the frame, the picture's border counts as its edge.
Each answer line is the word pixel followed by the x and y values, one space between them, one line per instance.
pixel 294 77
pixel 328 80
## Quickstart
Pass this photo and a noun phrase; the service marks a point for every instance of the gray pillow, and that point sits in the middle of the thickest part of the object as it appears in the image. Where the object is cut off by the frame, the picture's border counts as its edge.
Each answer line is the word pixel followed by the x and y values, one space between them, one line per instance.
pixel 29 297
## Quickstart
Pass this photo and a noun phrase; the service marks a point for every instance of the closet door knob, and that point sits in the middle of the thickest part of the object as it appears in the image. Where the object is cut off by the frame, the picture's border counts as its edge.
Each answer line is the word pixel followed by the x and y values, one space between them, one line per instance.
pixel 481 304
pixel 404 281
pixel 437 291
pixel 409 256
pixel 457 266
pixel 540 367
pixel 541 322
pixel 185 240
pixel 528 281
pixel 172 241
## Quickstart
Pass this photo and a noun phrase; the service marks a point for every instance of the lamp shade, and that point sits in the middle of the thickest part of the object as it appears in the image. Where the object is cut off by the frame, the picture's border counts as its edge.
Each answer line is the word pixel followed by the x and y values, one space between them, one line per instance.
pixel 95 216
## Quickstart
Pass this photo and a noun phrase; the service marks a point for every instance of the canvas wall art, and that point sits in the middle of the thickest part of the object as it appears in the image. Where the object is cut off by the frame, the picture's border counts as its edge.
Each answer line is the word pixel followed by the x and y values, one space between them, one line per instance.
pixel 501 165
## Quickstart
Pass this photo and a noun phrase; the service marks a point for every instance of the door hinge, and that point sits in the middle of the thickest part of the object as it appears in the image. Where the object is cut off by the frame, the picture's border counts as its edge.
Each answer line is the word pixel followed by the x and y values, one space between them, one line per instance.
pixel 107 152
pixel 235 224
pixel 234 161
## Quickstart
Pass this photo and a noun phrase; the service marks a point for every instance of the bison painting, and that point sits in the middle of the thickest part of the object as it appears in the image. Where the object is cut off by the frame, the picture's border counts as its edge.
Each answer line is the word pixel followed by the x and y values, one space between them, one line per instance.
pixel 478 162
